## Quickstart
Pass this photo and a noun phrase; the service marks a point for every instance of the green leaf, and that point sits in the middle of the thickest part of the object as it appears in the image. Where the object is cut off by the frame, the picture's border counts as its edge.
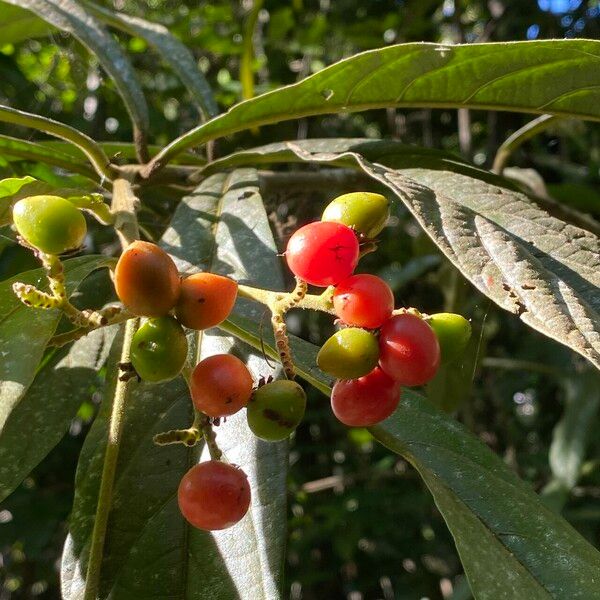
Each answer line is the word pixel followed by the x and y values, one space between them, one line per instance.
pixel 24 333
pixel 530 263
pixel 571 436
pixel 117 151
pixel 11 148
pixel 9 187
pixel 19 25
pixel 551 76
pixel 171 50
pixel 8 190
pixel 41 418
pixel 510 544
pixel 68 15
pixel 150 551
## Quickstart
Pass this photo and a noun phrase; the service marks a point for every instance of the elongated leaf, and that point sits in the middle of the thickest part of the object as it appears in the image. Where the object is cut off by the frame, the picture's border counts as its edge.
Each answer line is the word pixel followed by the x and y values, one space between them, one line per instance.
pixel 38 422
pixel 556 76
pixel 510 544
pixel 538 267
pixel 24 333
pixel 15 148
pixel 19 24
pixel 171 50
pixel 68 15
pixel 150 551
pixel 571 436
pixel 117 151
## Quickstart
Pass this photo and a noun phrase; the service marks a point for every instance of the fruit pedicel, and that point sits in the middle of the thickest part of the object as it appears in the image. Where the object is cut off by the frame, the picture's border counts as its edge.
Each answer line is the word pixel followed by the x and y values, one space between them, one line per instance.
pixel 375 352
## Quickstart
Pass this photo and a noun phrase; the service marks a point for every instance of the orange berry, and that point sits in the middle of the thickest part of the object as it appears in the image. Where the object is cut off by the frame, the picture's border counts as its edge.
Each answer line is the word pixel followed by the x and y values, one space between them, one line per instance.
pixel 205 300
pixel 146 280
pixel 221 385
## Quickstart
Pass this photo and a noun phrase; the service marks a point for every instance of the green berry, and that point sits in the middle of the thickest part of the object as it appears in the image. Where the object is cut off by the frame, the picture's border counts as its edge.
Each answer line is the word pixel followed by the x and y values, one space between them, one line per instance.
pixel 49 223
pixel 276 409
pixel 365 212
pixel 349 353
pixel 159 349
pixel 453 332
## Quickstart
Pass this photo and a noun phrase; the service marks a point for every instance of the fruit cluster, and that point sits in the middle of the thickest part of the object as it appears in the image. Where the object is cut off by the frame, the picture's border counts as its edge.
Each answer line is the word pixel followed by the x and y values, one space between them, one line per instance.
pixel 212 495
pixel 375 352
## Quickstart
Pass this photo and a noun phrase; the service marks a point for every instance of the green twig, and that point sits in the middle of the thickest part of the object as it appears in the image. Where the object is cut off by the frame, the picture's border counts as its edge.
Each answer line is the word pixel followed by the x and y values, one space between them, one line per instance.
pixel 115 431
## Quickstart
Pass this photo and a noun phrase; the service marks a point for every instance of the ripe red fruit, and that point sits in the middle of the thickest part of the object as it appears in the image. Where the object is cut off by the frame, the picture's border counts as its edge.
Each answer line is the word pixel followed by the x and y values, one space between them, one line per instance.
pixel 206 300
pixel 363 301
pixel 146 280
pixel 365 401
pixel 323 253
pixel 214 495
pixel 408 350
pixel 220 385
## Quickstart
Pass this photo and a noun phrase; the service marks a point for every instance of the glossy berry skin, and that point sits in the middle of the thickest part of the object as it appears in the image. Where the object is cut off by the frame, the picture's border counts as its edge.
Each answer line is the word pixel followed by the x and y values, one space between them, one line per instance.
pixel 453 333
pixel 323 253
pixel 205 300
pixel 365 401
pixel 276 409
pixel 220 385
pixel 363 301
pixel 365 212
pixel 146 280
pixel 49 223
pixel 349 353
pixel 409 351
pixel 159 349
pixel 213 495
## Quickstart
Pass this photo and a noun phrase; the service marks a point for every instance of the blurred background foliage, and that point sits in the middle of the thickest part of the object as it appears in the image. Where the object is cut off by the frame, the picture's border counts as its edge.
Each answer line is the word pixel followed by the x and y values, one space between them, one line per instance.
pixel 361 523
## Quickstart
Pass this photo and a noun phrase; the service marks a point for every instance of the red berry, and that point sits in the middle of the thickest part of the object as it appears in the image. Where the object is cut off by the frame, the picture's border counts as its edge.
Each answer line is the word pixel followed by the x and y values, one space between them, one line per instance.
pixel 365 401
pixel 408 350
pixel 214 495
pixel 220 385
pixel 323 253
pixel 363 301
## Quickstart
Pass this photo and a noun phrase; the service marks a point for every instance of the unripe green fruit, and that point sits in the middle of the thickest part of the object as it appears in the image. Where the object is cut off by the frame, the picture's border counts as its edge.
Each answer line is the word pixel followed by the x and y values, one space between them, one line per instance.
pixel 365 212
pixel 348 354
pixel 453 333
pixel 159 349
pixel 49 223
pixel 276 409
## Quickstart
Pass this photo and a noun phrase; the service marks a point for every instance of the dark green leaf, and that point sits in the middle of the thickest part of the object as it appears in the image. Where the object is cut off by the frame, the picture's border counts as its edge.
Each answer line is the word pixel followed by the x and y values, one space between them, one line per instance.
pixel 551 76
pixel 15 148
pixel 68 15
pixel 571 436
pixel 38 422
pixel 171 50
pixel 24 333
pixel 19 24
pixel 150 551
pixel 530 263
pixel 510 544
